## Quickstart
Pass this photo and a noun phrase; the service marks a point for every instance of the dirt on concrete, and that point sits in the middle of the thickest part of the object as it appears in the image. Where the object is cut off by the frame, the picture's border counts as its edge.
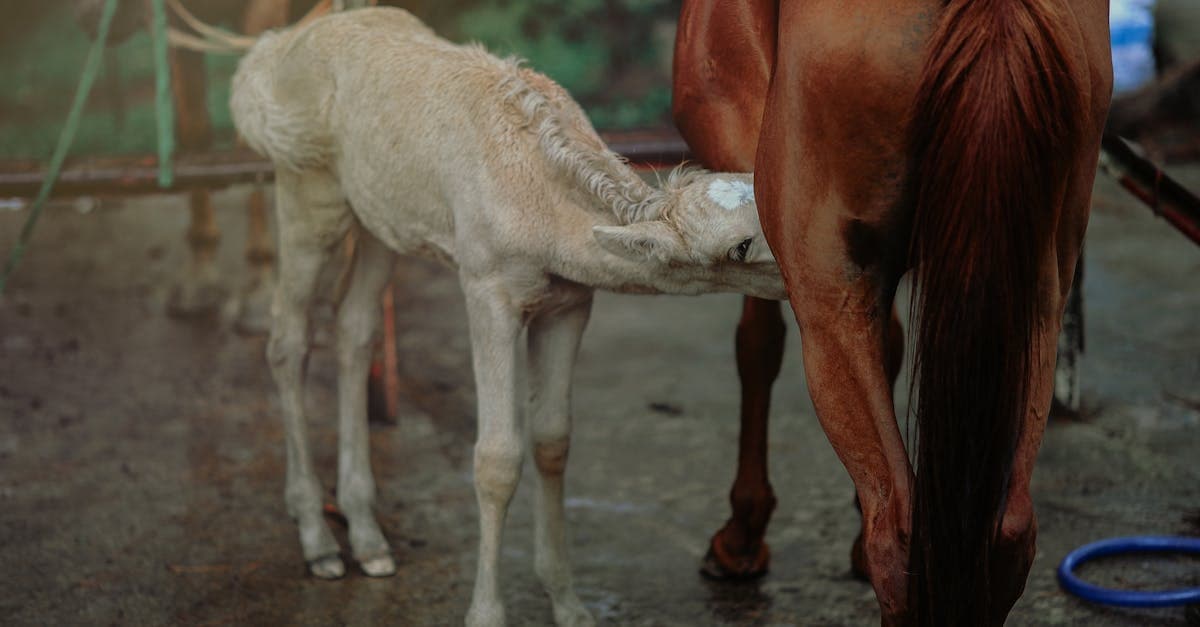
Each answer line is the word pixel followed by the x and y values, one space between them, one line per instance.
pixel 141 457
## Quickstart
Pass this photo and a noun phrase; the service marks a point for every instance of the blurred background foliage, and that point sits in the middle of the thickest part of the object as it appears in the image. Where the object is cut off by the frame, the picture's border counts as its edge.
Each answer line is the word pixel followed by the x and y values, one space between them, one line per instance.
pixel 613 56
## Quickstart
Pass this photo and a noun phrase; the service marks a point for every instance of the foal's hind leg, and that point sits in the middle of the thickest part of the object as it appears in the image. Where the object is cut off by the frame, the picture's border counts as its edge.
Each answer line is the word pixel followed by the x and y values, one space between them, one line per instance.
pixel 198 289
pixel 358 327
pixel 312 218
pixel 553 347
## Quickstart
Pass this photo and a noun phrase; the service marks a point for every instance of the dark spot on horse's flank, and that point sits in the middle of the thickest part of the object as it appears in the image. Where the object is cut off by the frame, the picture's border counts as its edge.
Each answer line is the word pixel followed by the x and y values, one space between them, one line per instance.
pixel 864 242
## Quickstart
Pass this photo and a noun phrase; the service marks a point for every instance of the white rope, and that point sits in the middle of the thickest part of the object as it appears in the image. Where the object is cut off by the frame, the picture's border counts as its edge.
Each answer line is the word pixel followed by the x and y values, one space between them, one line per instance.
pixel 180 39
pixel 210 33
pixel 209 38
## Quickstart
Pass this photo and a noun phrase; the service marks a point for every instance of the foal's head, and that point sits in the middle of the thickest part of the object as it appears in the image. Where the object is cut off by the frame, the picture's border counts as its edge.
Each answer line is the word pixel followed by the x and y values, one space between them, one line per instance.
pixel 707 236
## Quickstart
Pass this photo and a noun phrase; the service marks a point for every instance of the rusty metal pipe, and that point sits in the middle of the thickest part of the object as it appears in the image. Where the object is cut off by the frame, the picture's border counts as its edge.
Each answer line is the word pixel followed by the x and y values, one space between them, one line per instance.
pixel 1166 197
pixel 138 174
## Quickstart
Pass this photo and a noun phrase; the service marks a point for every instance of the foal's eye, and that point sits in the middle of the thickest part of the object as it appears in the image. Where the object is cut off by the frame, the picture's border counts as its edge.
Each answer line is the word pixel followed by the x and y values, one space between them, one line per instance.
pixel 738 253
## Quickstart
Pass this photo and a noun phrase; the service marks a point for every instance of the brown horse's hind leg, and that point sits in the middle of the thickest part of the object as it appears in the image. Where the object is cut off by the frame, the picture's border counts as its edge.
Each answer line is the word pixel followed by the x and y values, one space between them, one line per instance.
pixel 895 361
pixel 844 362
pixel 828 188
pixel 198 290
pixel 254 310
pixel 842 298
pixel 1015 545
pixel 737 550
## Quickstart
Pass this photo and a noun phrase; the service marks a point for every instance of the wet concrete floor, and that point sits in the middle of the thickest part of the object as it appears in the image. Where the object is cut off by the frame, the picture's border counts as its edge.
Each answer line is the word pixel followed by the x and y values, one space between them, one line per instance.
pixel 141 457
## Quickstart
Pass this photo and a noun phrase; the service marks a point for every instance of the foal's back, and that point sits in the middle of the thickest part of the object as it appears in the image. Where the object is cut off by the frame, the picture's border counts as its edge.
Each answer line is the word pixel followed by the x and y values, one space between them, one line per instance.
pixel 417 131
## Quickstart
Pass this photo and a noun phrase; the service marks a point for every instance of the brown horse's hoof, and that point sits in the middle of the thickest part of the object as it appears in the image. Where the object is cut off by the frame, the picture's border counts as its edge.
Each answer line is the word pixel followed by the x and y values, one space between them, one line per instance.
pixel 195 298
pixel 721 565
pixel 858 560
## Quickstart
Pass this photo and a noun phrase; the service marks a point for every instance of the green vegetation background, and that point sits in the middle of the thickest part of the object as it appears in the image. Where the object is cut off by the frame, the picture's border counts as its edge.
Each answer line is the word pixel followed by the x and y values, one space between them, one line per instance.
pixel 612 55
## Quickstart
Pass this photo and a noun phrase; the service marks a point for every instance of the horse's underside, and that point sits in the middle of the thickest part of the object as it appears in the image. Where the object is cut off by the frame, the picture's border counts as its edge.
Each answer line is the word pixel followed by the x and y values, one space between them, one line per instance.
pixel 957 139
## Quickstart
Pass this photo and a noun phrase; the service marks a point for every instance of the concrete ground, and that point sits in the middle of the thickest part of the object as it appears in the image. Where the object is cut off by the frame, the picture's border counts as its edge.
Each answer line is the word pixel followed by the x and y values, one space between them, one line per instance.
pixel 142 456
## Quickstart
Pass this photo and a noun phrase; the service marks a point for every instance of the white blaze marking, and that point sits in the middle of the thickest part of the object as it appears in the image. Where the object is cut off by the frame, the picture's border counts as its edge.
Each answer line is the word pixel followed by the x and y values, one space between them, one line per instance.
pixel 730 194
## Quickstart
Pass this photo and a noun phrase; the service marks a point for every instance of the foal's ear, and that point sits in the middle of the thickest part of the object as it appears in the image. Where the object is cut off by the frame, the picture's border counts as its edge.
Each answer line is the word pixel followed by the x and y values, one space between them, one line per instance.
pixel 641 241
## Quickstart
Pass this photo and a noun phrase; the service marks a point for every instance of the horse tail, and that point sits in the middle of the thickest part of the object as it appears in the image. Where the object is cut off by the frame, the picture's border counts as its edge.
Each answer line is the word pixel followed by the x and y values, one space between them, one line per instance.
pixel 992 133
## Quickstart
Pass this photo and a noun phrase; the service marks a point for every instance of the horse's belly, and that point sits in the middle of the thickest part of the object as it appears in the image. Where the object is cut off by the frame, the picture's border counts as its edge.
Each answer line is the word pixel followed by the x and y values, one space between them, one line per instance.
pixel 409 221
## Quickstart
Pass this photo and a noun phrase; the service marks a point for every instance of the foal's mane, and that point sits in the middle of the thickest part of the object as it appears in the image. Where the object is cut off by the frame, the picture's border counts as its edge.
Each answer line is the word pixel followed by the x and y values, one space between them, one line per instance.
pixel 569 142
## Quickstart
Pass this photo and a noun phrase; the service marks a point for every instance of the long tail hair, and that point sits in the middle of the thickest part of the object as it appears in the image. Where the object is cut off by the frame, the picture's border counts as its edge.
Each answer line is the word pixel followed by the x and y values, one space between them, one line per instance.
pixel 993 131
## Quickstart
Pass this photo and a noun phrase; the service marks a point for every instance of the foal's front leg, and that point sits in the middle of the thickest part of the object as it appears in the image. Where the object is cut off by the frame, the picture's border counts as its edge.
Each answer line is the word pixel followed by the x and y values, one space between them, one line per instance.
pixel 553 347
pixel 358 327
pixel 495 325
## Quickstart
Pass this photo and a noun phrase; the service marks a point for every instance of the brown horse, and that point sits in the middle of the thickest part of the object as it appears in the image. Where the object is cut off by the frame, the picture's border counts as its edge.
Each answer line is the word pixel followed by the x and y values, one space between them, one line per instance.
pixel 956 138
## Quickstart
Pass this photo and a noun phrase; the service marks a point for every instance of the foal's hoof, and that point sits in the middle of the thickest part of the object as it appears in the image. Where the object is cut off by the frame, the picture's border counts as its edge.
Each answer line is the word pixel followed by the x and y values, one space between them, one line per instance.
pixel 381 566
pixel 722 565
pixel 328 567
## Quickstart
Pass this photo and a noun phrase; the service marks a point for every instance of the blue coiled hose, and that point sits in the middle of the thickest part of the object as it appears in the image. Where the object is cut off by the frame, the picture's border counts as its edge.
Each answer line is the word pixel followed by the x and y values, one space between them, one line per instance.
pixel 1128 598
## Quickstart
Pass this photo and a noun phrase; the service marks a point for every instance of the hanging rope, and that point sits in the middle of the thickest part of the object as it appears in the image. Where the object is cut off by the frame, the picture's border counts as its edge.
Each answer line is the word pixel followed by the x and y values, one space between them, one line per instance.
pixel 210 39
pixel 207 38
pixel 91 68
pixel 164 113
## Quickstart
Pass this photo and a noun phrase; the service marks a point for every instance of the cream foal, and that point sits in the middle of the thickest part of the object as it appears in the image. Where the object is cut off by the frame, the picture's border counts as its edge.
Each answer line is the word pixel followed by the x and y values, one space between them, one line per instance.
pixel 421 146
